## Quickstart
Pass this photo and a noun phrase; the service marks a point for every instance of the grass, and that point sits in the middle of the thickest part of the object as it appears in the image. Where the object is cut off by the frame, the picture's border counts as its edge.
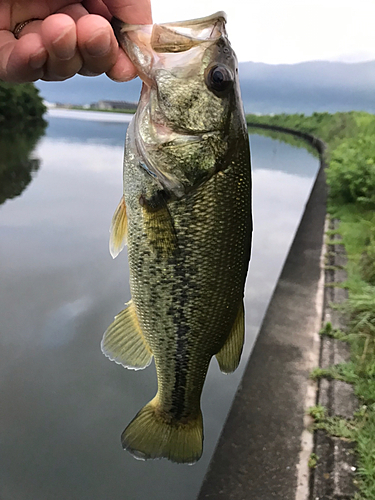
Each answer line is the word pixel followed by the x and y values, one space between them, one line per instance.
pixel 333 268
pixel 335 284
pixel 313 461
pixel 351 179
pixel 334 333
pixel 356 229
pixel 338 427
pixel 334 242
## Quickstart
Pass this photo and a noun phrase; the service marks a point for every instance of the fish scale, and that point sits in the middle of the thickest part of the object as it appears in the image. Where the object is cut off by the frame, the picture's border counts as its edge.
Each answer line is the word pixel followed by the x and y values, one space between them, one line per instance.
pixel 210 263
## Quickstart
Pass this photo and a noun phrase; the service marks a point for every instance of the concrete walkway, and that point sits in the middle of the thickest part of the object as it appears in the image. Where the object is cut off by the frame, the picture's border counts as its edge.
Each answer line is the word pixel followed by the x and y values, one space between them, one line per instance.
pixel 264 447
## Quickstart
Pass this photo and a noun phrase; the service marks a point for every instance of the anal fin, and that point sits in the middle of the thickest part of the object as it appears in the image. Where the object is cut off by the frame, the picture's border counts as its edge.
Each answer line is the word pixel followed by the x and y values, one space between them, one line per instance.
pixel 119 229
pixel 230 354
pixel 124 342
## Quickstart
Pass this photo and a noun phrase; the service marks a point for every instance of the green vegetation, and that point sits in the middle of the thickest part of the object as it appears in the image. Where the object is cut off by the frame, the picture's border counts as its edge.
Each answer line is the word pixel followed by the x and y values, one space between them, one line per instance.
pixel 313 461
pixel 332 129
pixel 350 138
pixel 339 427
pixel 317 412
pixel 17 164
pixel 21 107
pixel 334 333
pixel 283 137
pixel 351 173
pixel 21 126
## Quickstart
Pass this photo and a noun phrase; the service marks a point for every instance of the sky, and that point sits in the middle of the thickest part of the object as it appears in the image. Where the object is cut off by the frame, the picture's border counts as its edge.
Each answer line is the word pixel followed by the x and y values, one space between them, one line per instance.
pixel 287 31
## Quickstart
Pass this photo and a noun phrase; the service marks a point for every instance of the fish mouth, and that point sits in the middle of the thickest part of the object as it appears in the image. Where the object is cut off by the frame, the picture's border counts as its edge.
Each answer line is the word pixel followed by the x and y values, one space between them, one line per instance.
pixel 175 36
pixel 146 44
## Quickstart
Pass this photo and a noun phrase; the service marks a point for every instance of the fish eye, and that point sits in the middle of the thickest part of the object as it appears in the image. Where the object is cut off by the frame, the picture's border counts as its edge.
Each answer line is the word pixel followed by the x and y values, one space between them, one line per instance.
pixel 219 79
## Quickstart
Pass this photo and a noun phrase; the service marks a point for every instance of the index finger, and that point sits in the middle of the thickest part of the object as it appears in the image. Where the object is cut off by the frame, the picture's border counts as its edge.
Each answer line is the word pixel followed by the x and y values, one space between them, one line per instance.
pixel 131 11
pixel 21 60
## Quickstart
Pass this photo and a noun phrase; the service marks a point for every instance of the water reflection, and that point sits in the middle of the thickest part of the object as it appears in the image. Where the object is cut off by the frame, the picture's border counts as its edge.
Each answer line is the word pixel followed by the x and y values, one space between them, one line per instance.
pixel 17 166
pixel 64 405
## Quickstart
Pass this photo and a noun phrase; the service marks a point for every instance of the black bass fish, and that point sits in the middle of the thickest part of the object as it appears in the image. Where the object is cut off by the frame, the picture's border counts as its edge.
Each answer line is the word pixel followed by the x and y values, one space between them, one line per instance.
pixel 186 218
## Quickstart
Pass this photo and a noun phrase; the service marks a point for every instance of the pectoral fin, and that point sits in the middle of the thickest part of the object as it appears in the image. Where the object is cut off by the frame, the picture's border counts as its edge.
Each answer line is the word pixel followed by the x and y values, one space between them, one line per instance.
pixel 230 354
pixel 119 229
pixel 158 226
pixel 124 341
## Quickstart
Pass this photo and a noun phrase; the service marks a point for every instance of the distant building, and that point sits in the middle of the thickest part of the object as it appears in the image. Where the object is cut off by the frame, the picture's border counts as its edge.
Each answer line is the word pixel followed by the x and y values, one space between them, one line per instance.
pixel 49 105
pixel 114 105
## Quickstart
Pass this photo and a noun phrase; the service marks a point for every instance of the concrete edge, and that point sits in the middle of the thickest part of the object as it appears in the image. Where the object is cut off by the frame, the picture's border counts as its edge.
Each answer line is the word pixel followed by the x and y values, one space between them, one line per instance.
pixel 307 438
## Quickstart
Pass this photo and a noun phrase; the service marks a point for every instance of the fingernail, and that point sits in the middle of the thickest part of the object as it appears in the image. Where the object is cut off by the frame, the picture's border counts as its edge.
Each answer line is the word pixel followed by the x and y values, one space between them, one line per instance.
pixel 99 44
pixel 39 59
pixel 63 47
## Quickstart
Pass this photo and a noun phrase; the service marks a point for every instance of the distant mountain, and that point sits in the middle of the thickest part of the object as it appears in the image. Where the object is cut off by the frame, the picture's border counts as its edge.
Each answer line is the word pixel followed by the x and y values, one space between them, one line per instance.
pixel 313 73
pixel 85 90
pixel 308 87
pixel 290 88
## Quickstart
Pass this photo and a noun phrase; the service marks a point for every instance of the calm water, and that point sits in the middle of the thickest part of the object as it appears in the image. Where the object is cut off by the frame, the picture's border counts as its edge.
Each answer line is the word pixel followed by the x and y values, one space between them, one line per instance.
pixel 63 404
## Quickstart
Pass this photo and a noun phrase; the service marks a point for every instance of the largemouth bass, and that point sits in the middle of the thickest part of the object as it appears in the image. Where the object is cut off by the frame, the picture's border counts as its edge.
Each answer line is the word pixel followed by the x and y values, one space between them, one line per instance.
pixel 186 217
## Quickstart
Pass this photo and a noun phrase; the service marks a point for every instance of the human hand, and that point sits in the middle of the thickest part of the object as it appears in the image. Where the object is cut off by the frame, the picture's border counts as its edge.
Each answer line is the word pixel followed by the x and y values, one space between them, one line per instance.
pixel 66 38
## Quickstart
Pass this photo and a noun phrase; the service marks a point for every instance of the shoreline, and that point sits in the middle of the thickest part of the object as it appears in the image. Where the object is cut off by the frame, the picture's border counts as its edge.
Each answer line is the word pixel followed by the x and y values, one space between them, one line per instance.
pixel 92 115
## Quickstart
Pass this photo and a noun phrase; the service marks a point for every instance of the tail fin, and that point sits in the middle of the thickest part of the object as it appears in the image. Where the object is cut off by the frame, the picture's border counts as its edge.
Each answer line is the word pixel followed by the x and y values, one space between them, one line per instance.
pixel 149 435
